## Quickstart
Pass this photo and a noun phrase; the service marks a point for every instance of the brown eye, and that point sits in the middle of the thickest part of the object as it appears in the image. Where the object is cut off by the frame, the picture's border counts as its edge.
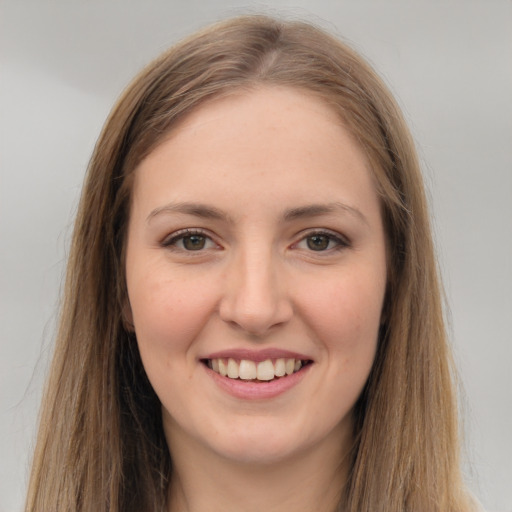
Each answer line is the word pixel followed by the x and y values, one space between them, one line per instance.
pixel 194 242
pixel 189 241
pixel 318 242
pixel 322 242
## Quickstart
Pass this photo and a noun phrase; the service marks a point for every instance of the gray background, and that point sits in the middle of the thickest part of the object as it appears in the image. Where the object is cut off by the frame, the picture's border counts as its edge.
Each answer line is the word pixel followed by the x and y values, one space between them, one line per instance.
pixel 62 65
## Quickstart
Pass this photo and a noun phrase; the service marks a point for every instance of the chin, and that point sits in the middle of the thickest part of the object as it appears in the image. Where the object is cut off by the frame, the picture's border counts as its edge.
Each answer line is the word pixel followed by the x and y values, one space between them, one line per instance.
pixel 270 441
pixel 260 450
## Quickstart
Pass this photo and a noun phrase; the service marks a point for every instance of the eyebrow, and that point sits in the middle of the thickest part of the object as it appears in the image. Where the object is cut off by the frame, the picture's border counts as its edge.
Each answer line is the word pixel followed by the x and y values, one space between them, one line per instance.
pixel 196 209
pixel 317 210
pixel 210 212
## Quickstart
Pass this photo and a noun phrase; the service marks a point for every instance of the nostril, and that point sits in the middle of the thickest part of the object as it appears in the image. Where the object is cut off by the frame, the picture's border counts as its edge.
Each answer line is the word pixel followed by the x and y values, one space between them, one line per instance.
pixel 256 324
pixel 255 299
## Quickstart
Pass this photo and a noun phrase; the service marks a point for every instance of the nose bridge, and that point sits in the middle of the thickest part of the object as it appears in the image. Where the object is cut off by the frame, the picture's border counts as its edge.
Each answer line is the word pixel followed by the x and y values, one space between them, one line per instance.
pixel 255 297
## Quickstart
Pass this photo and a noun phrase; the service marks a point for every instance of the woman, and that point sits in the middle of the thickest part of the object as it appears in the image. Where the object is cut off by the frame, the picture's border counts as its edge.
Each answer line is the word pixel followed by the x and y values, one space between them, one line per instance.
pixel 252 315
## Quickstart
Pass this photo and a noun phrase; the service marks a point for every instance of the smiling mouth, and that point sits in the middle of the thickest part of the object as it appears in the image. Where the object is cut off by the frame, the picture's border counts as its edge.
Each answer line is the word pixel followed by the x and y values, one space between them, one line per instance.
pixel 263 371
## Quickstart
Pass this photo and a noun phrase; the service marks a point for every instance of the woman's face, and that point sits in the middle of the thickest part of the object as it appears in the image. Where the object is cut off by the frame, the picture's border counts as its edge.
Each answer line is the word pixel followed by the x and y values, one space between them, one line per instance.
pixel 256 271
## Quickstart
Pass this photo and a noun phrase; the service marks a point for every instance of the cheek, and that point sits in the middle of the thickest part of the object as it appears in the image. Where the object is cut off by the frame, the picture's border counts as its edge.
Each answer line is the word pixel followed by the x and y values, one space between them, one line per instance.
pixel 167 313
pixel 345 315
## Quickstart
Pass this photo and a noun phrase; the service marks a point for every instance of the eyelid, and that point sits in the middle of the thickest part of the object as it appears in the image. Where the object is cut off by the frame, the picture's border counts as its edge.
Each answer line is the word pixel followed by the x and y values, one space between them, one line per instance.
pixel 170 240
pixel 342 240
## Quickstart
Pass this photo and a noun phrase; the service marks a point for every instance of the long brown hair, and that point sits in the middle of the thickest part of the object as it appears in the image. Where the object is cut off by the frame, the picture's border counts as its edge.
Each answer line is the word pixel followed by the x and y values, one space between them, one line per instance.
pixel 101 445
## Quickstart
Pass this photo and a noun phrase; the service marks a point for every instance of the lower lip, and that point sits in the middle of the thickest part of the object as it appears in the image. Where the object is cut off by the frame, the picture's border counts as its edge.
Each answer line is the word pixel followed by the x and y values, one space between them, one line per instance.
pixel 248 390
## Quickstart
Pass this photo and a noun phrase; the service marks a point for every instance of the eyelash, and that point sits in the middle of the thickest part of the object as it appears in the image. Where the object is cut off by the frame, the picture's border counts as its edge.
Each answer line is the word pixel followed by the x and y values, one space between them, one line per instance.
pixel 171 242
pixel 341 242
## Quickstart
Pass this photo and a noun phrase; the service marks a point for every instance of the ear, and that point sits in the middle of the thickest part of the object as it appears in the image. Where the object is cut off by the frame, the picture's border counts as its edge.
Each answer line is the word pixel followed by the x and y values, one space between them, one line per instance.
pixel 127 316
pixel 384 314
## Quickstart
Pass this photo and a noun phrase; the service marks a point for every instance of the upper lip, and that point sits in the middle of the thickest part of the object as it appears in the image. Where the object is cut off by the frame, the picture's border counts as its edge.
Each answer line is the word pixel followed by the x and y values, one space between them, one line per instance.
pixel 257 355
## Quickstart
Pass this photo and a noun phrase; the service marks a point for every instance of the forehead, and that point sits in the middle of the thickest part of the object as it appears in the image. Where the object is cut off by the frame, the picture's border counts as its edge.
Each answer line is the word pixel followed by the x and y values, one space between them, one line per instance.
pixel 261 107
pixel 276 141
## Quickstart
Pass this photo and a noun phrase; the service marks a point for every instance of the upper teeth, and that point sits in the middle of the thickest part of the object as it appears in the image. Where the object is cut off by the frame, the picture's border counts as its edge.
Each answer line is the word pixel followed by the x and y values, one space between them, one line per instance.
pixel 246 369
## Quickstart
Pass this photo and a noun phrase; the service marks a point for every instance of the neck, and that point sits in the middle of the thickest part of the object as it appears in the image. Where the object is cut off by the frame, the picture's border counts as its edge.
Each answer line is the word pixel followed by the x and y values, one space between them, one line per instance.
pixel 206 482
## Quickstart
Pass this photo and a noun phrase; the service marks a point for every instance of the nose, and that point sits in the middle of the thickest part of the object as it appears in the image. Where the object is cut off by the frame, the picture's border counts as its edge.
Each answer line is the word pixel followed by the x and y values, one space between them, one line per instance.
pixel 255 297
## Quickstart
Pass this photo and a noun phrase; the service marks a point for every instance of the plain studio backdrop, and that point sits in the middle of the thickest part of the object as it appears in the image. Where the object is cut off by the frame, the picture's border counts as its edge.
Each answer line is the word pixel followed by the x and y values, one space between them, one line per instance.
pixel 63 63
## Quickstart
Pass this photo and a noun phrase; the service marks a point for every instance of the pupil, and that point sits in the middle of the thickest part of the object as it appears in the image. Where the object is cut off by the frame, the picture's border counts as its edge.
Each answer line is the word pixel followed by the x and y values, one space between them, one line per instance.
pixel 318 242
pixel 194 242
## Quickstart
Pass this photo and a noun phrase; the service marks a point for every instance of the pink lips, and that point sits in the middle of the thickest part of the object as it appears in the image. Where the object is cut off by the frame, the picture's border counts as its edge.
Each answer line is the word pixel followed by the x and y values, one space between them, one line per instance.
pixel 249 390
pixel 256 355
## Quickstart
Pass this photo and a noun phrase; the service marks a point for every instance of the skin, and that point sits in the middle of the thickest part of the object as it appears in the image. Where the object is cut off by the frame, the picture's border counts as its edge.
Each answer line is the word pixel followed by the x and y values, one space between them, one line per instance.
pixel 259 159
